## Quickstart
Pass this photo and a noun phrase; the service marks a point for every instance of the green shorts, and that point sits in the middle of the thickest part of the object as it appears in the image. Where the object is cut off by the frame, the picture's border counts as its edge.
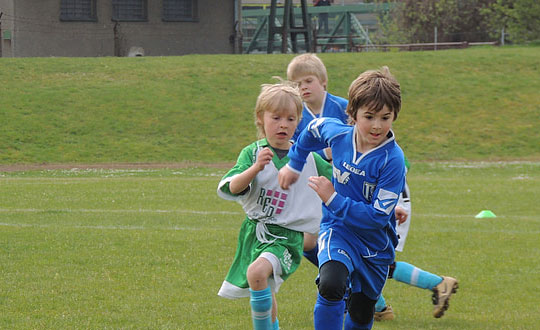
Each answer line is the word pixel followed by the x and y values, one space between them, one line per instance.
pixel 285 254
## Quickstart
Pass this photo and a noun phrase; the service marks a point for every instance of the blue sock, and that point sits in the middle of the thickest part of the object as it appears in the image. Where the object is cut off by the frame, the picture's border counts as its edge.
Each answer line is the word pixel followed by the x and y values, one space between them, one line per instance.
pixel 328 314
pixel 381 304
pixel 261 309
pixel 276 325
pixel 311 255
pixel 351 325
pixel 413 275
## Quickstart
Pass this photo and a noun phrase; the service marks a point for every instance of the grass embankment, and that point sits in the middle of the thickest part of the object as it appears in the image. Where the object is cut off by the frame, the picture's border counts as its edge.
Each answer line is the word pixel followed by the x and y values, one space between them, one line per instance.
pixel 472 104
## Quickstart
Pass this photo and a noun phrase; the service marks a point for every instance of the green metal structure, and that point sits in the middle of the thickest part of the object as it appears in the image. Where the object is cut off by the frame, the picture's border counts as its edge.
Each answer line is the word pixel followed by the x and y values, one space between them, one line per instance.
pixel 289 27
pixel 265 30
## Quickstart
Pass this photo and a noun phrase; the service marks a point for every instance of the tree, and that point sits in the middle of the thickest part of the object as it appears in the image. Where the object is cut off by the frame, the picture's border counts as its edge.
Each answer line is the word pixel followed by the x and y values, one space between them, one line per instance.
pixel 455 20
pixel 519 18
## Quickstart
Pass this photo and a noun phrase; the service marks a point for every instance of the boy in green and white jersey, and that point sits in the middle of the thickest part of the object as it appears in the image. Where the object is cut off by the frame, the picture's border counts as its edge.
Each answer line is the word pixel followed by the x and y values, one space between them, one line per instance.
pixel 270 241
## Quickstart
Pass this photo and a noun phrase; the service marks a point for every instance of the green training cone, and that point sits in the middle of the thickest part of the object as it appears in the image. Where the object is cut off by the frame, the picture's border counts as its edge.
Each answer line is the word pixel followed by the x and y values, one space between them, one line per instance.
pixel 485 214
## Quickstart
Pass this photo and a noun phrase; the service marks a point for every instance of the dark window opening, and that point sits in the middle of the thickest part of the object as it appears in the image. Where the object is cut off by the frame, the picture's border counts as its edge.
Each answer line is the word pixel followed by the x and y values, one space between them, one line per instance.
pixel 180 10
pixel 129 10
pixel 78 10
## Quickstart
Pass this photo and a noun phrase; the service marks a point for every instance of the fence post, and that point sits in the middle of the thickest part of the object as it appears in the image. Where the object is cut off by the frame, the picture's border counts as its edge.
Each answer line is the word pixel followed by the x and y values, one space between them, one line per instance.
pixel 1 34
pixel 502 36
pixel 435 38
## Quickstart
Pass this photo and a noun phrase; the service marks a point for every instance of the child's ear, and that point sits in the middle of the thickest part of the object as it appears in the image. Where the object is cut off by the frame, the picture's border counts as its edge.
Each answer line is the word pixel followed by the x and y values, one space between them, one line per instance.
pixel 324 83
pixel 260 121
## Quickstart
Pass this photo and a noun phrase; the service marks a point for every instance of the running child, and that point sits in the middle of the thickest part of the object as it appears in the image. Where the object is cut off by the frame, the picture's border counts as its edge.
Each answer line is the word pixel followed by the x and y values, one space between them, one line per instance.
pixel 309 72
pixel 357 235
pixel 270 241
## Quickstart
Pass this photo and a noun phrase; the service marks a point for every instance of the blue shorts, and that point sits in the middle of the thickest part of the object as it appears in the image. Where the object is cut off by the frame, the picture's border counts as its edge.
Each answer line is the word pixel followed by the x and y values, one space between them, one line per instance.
pixel 364 275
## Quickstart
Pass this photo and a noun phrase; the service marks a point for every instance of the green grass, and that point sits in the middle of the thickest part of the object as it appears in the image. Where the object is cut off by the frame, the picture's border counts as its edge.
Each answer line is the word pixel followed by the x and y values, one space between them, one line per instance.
pixel 473 104
pixel 148 249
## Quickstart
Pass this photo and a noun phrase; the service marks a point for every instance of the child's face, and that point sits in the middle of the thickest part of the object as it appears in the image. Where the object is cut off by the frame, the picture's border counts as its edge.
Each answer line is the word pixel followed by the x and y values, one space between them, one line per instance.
pixel 311 88
pixel 279 126
pixel 372 127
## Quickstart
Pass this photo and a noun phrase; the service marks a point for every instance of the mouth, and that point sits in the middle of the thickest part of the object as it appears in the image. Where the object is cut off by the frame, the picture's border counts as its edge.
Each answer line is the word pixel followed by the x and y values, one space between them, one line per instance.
pixel 304 95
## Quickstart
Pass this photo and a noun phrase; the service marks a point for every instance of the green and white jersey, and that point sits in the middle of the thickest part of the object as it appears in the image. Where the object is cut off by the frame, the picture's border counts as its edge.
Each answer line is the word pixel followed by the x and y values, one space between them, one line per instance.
pixel 298 208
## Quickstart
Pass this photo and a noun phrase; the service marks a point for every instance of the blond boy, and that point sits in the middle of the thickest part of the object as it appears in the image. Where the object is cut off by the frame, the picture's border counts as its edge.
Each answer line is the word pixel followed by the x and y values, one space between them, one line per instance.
pixel 271 237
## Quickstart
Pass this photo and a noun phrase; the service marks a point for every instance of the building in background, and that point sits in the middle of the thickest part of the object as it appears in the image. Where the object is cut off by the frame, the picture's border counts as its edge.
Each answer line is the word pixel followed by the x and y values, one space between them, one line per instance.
pixel 36 28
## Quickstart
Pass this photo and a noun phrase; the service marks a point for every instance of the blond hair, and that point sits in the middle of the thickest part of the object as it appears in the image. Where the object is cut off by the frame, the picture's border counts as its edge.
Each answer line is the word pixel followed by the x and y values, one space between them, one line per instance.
pixel 374 89
pixel 274 98
pixel 307 64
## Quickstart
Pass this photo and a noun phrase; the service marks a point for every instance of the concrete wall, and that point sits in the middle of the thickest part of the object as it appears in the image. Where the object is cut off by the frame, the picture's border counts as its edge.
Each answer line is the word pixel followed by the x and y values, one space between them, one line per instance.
pixel 36 30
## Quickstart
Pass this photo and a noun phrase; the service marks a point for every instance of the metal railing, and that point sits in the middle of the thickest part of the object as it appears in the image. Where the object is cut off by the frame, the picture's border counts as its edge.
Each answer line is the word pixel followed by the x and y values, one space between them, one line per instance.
pixel 349 27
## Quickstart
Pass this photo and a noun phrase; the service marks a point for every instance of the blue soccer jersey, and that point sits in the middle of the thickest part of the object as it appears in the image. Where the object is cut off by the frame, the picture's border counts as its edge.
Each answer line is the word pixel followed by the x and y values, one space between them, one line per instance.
pixel 333 107
pixel 367 187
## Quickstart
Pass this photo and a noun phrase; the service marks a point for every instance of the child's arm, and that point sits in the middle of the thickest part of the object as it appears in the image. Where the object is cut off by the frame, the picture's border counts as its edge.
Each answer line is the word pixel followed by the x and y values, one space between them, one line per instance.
pixel 310 139
pixel 316 136
pixel 241 181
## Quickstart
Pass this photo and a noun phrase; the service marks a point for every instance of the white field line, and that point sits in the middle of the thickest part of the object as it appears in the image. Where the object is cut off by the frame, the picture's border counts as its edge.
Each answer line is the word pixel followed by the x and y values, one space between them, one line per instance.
pixel 184 228
pixel 111 227
pixel 32 210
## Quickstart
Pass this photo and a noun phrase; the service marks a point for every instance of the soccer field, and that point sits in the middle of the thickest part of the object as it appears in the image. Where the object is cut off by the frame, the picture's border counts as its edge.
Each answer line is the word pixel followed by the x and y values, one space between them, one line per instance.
pixel 148 249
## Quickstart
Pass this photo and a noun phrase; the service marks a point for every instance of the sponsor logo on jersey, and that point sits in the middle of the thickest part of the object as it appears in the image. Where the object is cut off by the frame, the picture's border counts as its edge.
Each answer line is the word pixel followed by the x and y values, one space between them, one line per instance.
pixel 354 170
pixel 271 201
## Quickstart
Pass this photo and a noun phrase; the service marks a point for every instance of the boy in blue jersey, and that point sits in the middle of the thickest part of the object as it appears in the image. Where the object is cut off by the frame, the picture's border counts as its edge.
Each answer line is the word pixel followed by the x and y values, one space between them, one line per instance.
pixel 309 71
pixel 357 235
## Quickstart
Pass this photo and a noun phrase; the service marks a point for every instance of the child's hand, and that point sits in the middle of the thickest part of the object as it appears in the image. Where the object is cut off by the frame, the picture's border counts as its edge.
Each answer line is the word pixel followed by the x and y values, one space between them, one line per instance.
pixel 287 177
pixel 263 158
pixel 401 215
pixel 322 186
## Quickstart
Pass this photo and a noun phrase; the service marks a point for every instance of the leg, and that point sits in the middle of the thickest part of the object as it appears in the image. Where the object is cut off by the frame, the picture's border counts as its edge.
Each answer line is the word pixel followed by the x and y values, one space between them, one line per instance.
pixel 361 310
pixel 262 304
pixel 311 248
pixel 442 286
pixel 412 275
pixel 383 312
pixel 329 308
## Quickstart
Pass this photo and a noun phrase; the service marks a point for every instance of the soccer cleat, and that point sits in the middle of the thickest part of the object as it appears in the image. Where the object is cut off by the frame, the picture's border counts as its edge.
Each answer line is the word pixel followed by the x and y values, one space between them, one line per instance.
pixel 387 314
pixel 441 295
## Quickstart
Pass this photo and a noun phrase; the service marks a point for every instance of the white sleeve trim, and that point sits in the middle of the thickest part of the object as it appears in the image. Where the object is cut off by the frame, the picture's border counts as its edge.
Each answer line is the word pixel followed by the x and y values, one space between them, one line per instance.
pixel 292 169
pixel 329 201
pixel 230 197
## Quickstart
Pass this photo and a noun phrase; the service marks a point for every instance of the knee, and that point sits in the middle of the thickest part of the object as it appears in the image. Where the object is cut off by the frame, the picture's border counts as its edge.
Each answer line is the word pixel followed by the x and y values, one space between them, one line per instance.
pixel 361 308
pixel 333 280
pixel 332 290
pixel 310 242
pixel 258 273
